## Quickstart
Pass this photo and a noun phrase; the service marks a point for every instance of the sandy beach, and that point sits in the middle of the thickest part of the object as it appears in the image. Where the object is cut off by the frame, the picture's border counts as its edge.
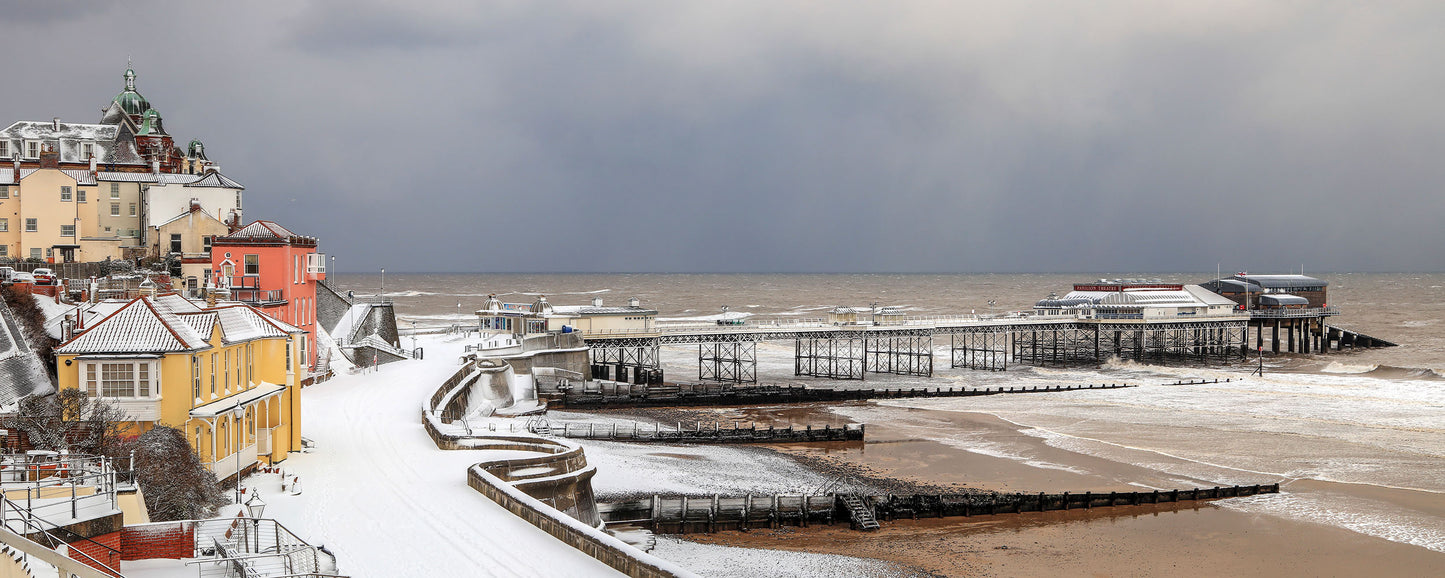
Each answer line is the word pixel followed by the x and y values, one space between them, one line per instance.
pixel 1209 538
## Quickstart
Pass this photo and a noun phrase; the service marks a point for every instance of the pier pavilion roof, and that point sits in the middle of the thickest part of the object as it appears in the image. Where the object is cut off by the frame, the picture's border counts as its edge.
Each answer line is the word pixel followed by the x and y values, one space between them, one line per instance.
pixel 1283 281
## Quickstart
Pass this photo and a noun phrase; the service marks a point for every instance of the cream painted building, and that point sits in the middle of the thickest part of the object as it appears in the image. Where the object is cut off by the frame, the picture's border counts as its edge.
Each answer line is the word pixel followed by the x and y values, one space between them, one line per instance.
pixel 189 236
pixel 542 317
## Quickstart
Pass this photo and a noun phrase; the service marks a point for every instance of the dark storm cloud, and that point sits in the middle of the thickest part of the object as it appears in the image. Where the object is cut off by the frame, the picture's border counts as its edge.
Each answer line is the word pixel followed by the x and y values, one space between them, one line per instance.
pixel 767 136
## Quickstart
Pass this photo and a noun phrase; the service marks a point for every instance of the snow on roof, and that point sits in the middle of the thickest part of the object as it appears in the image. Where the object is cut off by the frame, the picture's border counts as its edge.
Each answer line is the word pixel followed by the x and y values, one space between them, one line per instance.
pixel 138 327
pixel 593 310
pixel 1282 299
pixel 110 145
pixel 262 391
pixel 82 177
pixel 215 179
pixel 21 372
pixel 127 177
pixel 1283 281
pixel 1189 296
pixel 262 230
pixel 171 323
pixel 1208 297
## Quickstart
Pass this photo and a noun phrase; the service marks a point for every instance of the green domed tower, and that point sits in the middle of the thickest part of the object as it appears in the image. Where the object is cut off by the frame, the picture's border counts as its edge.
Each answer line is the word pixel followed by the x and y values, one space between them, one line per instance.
pixel 129 100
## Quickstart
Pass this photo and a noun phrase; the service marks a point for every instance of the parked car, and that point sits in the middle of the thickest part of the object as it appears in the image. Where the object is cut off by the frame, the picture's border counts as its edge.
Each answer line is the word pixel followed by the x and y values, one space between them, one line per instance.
pixel 6 273
pixel 44 276
pixel 22 277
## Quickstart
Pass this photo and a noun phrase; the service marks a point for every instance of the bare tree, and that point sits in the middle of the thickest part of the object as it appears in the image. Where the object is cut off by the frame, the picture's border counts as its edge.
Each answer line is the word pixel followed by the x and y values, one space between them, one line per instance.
pixel 71 420
pixel 175 483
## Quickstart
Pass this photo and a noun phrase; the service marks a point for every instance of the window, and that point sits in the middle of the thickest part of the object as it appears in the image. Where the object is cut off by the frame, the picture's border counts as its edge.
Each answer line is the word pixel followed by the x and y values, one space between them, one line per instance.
pixel 123 379
pixel 206 243
pixel 65 193
pixel 213 375
pixel 4 192
pixel 115 190
pixel 32 149
pixel 87 150
pixel 238 370
pixel 67 230
pixel 32 225
pixel 35 253
pixel 115 209
pixel 315 263
pixel 288 355
pixel 250 365
pixel 304 358
pixel 4 225
pixel 253 265
pixel 175 242
pixel 4 250
pixel 196 376
pixel 4 149
pixel 132 209
pixel 226 373
pixel 80 195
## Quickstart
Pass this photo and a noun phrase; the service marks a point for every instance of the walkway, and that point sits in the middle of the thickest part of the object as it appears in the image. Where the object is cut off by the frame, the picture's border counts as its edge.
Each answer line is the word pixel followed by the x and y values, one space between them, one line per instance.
pixel 378 493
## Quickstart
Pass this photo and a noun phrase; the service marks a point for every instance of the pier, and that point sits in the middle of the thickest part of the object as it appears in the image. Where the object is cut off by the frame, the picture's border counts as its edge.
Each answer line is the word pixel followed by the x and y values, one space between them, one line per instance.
pixel 727 353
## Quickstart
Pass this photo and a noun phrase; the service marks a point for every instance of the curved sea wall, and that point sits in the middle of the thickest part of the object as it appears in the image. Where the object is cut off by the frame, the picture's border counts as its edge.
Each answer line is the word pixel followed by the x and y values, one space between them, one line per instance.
pixel 551 490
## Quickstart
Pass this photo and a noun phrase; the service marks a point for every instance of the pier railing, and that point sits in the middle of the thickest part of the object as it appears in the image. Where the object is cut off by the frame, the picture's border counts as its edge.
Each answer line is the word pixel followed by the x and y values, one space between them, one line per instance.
pixel 1292 313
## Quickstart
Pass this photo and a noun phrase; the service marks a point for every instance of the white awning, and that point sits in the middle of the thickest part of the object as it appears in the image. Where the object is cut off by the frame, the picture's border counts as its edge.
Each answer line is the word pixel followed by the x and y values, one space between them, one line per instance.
pixel 240 400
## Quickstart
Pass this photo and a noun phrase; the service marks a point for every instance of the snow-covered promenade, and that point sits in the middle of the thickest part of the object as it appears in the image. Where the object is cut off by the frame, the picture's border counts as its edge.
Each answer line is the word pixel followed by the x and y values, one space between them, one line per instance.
pixel 378 493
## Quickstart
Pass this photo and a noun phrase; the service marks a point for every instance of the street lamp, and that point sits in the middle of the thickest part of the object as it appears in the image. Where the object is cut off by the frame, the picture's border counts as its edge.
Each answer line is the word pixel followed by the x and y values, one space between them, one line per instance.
pixel 256 506
pixel 383 282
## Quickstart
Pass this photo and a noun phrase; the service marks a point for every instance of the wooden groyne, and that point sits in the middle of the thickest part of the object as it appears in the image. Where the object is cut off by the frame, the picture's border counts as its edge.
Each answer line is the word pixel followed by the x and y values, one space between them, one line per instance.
pixel 619 395
pixel 700 432
pixel 684 514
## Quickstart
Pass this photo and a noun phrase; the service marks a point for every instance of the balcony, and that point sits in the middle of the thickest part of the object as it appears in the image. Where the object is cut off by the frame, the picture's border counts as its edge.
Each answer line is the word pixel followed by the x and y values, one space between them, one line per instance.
pixel 226 466
pixel 247 289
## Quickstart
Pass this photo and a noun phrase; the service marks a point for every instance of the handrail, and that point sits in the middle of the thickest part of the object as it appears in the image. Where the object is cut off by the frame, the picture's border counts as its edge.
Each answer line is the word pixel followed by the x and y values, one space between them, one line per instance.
pixel 31 521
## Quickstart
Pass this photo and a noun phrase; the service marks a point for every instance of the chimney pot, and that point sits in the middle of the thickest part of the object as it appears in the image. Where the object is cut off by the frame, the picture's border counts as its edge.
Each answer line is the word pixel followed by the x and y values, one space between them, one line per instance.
pixel 596 301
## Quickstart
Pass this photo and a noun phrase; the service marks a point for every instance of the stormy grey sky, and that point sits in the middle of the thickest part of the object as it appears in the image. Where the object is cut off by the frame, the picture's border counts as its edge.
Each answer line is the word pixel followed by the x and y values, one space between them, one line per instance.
pixel 790 136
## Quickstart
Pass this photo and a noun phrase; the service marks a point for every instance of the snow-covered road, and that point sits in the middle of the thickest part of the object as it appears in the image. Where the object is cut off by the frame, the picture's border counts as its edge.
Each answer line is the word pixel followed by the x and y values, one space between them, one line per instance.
pixel 378 492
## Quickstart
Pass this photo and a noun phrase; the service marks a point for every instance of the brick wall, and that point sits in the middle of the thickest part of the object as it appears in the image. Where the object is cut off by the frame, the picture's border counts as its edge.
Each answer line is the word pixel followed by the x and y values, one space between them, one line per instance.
pixel 157 541
pixel 104 549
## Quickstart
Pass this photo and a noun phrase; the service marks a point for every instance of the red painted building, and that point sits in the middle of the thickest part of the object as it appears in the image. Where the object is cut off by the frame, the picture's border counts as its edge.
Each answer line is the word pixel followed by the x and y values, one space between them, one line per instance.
pixel 268 267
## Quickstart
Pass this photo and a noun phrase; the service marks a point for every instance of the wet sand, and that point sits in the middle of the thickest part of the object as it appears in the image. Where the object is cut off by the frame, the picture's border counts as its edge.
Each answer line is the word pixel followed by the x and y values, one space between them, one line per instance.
pixel 1149 540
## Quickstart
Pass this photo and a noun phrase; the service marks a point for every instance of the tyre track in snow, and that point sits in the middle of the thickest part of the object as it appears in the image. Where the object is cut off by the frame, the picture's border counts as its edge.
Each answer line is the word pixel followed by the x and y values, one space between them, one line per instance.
pixel 389 503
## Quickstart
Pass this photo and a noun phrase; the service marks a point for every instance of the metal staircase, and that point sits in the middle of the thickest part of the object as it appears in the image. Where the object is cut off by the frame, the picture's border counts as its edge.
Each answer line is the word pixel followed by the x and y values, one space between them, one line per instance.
pixel 859 513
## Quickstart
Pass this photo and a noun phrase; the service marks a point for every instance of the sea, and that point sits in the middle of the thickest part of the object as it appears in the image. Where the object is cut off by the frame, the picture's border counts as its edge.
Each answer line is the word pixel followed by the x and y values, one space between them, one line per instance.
pixel 1356 439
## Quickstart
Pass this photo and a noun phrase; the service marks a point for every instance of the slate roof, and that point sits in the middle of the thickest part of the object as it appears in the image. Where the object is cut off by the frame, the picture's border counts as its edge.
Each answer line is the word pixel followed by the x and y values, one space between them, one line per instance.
pixel 262 230
pixel 1283 281
pixel 215 179
pixel 21 372
pixel 171 323
pixel 113 144
pixel 138 327
pixel 82 177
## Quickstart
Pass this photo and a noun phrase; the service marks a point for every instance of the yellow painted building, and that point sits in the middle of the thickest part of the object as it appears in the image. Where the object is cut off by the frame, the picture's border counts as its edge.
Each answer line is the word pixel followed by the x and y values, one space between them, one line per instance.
pixel 226 375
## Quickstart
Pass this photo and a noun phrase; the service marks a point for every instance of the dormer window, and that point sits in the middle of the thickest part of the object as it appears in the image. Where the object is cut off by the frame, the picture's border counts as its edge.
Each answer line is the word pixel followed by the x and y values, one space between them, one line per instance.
pixel 87 150
pixel 32 149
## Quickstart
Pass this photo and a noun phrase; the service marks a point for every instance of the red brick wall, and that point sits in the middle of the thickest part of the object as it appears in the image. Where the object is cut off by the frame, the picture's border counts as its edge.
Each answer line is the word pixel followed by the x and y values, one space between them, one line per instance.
pixel 104 548
pixel 157 541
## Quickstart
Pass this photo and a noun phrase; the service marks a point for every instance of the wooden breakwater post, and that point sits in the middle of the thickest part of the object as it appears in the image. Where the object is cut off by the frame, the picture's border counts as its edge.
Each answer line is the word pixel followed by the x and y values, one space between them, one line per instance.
pixel 681 514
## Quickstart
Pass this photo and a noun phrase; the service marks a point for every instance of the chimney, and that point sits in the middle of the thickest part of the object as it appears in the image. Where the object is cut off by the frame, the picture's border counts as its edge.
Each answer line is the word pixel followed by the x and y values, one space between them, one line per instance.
pixel 634 302
pixel 67 328
pixel 156 166
pixel 49 158
pixel 93 165
pixel 55 123
pixel 596 301
pixel 16 158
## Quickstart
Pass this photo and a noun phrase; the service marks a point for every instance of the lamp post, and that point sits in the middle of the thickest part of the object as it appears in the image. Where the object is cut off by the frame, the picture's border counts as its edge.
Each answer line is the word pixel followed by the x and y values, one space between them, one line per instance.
pixel 383 282
pixel 235 448
pixel 256 506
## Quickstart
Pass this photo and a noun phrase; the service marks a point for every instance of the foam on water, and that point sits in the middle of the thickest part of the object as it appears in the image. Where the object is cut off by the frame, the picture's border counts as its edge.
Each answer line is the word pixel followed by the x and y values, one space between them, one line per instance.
pixel 1368 517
